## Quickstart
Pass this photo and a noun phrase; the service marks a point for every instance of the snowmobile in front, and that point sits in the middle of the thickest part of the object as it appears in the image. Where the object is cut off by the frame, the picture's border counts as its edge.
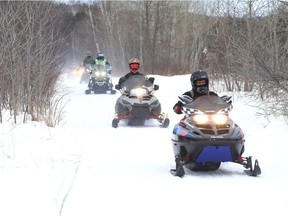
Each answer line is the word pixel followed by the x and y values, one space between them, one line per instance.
pixel 100 81
pixel 207 136
pixel 137 103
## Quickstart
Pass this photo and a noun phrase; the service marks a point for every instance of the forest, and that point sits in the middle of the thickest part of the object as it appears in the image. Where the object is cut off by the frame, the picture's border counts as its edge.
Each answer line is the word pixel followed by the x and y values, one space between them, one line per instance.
pixel 242 43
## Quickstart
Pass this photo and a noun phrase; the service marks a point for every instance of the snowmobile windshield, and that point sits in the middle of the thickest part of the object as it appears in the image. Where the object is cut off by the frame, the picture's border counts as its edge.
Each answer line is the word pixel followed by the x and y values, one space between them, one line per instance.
pixel 96 69
pixel 136 81
pixel 208 104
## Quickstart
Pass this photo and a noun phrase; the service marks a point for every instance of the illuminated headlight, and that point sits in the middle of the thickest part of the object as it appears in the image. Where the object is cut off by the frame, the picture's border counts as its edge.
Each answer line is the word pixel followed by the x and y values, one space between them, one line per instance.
pixel 138 92
pixel 100 73
pixel 216 119
pixel 201 119
pixel 77 72
pixel 220 119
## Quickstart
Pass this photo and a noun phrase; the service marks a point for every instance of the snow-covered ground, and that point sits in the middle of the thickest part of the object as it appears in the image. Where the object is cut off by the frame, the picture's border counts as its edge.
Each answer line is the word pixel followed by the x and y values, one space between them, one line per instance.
pixel 86 167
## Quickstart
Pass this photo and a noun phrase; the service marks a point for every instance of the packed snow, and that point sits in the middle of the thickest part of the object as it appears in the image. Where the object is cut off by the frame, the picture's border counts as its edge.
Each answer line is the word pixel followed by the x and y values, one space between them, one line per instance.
pixel 85 167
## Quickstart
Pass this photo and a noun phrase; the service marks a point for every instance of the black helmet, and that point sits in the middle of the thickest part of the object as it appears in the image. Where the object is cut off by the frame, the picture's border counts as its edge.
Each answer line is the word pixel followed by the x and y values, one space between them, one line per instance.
pixel 200 82
pixel 100 56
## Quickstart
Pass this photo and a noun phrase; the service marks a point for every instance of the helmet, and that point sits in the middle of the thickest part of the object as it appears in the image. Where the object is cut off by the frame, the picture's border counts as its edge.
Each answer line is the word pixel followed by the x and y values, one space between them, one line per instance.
pixel 134 60
pixel 200 82
pixel 100 56
pixel 88 53
pixel 134 65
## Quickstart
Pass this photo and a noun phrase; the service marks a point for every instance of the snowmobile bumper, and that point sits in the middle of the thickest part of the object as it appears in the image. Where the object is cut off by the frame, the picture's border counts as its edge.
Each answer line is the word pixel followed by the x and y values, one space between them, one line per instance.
pixel 140 111
pixel 206 150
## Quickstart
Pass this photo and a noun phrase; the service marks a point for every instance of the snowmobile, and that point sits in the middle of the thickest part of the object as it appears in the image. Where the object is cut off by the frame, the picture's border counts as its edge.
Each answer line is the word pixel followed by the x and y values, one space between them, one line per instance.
pixel 100 81
pixel 86 74
pixel 207 136
pixel 137 102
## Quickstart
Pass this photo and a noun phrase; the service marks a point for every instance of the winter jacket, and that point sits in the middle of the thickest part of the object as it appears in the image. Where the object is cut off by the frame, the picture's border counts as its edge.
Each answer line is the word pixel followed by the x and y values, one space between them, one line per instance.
pixel 124 78
pixel 102 62
pixel 89 60
pixel 178 106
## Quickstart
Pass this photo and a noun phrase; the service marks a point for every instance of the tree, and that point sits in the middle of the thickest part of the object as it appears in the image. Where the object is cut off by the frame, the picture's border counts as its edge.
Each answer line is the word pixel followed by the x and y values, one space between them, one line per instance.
pixel 31 60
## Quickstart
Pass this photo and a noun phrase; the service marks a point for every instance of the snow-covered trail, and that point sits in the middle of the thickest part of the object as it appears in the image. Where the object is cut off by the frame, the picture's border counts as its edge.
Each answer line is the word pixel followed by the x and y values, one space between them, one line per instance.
pixel 94 169
pixel 117 165
pixel 125 171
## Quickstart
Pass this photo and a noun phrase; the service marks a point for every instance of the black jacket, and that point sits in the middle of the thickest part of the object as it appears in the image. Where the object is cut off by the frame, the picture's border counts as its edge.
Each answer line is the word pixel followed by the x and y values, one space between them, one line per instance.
pixel 124 78
pixel 89 60
pixel 178 106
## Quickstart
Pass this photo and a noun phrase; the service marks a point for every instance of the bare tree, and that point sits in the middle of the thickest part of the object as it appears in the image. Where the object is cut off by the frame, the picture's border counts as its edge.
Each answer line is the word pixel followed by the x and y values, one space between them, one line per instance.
pixel 32 43
pixel 272 66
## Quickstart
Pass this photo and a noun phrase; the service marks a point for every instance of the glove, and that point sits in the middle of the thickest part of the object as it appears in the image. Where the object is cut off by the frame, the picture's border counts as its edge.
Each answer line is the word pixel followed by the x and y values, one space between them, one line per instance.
pixel 227 99
pixel 178 107
pixel 185 99
pixel 151 79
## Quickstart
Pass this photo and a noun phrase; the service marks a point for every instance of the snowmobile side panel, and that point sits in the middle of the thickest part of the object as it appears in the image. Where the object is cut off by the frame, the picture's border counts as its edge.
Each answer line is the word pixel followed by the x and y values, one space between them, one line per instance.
pixel 183 132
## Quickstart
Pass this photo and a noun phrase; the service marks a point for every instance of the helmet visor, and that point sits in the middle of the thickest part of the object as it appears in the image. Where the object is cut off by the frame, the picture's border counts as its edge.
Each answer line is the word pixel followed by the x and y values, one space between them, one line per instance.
pixel 200 82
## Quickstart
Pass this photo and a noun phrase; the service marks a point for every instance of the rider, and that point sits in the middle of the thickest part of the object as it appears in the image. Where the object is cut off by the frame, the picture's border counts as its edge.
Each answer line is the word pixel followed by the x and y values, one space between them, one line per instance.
pixel 88 63
pixel 200 86
pixel 89 60
pixel 134 65
pixel 102 63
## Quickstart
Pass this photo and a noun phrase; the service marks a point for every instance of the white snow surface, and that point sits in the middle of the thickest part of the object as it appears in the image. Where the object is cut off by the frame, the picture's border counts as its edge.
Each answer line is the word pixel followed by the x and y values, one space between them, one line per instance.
pixel 84 167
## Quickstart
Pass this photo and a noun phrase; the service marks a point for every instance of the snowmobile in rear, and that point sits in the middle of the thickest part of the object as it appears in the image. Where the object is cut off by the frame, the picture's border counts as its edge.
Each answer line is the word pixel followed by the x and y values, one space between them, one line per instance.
pixel 207 136
pixel 100 81
pixel 86 74
pixel 137 103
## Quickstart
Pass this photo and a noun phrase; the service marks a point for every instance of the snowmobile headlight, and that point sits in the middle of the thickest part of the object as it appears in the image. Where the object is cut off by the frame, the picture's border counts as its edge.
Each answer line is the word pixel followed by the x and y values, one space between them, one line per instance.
pixel 216 119
pixel 220 118
pixel 201 118
pixel 100 73
pixel 138 92
pixel 77 72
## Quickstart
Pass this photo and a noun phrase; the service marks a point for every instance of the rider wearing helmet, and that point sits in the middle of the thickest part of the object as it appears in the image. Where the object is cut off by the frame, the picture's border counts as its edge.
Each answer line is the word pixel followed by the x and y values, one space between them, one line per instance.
pixel 134 65
pixel 89 60
pixel 200 86
pixel 102 63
